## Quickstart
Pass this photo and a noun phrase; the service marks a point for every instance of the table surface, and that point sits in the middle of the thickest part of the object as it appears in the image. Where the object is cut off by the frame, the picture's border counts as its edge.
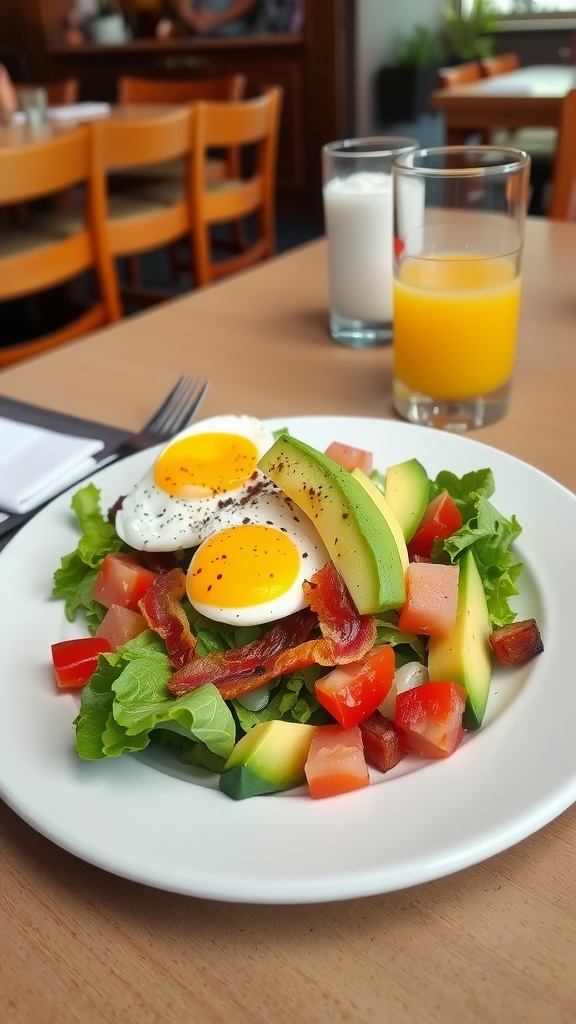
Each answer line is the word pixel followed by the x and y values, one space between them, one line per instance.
pixel 493 943
pixel 16 135
pixel 539 80
pixel 528 97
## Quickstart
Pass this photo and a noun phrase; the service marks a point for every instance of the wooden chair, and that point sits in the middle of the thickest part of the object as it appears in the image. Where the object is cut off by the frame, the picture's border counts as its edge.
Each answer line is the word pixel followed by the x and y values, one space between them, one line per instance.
pixel 155 212
pixel 63 93
pixel 501 64
pixel 189 90
pixel 225 88
pixel 563 198
pixel 254 124
pixel 459 74
pixel 462 74
pixel 144 214
pixel 33 259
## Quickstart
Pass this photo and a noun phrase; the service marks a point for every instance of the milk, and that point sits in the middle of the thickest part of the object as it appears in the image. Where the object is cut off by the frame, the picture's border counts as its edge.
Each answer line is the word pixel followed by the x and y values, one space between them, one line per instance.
pixel 358 216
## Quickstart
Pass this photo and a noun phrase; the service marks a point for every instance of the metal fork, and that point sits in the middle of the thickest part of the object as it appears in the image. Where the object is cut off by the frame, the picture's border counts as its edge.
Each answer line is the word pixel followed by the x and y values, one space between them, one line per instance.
pixel 176 412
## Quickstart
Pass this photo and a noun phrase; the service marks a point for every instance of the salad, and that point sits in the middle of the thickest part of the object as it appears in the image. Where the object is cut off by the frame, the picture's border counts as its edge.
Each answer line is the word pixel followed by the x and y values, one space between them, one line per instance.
pixel 276 615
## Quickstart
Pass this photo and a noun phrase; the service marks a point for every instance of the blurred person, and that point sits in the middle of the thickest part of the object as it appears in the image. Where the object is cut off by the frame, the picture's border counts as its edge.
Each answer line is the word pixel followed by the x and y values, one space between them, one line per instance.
pixel 217 17
pixel 8 97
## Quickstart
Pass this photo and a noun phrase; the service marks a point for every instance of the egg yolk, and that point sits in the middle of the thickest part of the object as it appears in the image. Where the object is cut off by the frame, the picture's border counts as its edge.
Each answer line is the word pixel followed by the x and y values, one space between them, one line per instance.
pixel 202 465
pixel 243 566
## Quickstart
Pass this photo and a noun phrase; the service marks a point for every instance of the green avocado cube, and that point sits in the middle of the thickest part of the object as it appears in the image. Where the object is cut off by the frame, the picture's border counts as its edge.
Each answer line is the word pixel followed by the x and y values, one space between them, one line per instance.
pixel 268 759
pixel 406 491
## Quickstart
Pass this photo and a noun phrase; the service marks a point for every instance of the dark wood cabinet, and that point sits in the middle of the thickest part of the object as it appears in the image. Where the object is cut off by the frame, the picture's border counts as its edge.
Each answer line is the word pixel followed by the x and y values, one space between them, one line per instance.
pixel 314 69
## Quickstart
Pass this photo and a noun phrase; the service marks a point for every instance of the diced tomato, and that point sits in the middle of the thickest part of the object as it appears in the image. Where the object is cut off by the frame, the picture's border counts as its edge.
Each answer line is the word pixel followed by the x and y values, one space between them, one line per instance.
pixel 430 717
pixel 352 692
pixel 75 660
pixel 120 625
pixel 349 457
pixel 431 599
pixel 336 762
pixel 440 520
pixel 122 580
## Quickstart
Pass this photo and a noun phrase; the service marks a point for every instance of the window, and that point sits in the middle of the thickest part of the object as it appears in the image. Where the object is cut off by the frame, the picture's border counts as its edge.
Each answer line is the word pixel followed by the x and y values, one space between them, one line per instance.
pixel 521 9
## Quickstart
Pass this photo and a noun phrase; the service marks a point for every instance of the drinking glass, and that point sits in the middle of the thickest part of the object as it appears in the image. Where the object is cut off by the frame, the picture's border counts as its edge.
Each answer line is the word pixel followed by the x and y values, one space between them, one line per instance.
pixel 34 103
pixel 357 192
pixel 459 231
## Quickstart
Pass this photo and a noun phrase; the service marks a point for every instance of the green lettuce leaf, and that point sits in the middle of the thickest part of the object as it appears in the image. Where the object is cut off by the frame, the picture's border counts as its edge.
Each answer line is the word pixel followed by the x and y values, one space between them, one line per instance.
pixel 127 698
pixel 74 579
pixel 407 646
pixel 490 535
pixel 292 699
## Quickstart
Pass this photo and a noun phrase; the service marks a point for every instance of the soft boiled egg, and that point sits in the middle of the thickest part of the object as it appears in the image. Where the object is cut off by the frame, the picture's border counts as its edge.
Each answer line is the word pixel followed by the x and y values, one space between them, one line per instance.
pixel 252 572
pixel 256 548
pixel 200 477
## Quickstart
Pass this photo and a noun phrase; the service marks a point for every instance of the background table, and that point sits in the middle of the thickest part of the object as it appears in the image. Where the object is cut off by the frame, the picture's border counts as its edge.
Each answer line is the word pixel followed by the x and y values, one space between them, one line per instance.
pixel 528 97
pixel 15 135
pixel 494 943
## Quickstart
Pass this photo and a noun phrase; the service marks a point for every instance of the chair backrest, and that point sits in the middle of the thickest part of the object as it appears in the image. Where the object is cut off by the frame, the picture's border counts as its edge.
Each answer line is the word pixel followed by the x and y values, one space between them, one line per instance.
pixel 500 64
pixel 459 74
pixel 255 124
pixel 148 142
pixel 563 198
pixel 166 90
pixel 63 92
pixel 43 169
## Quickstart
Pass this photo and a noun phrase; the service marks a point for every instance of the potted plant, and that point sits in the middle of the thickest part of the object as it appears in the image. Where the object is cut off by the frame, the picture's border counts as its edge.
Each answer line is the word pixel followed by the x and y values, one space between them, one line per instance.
pixel 107 25
pixel 402 89
pixel 468 36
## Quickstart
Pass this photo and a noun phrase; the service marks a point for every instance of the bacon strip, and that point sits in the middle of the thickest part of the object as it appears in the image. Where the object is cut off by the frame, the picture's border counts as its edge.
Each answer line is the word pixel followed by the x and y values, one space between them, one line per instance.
pixel 162 608
pixel 346 637
pixel 243 661
pixel 517 642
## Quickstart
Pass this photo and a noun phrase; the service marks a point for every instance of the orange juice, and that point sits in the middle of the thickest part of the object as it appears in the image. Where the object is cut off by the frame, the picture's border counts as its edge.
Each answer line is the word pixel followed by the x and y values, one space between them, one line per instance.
pixel 455 323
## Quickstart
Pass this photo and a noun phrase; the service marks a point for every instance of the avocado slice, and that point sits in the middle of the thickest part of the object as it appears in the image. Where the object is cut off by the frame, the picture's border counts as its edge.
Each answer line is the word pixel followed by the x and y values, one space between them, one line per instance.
pixel 465 656
pixel 378 498
pixel 406 490
pixel 268 759
pixel 353 528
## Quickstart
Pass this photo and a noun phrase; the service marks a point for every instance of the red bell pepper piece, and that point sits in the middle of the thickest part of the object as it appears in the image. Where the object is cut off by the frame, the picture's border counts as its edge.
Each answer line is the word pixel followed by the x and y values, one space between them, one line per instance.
pixel 75 661
pixel 440 520
pixel 350 693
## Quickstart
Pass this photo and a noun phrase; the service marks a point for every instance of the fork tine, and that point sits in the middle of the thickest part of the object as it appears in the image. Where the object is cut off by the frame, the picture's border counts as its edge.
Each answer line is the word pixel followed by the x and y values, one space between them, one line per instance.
pixel 176 412
pixel 158 414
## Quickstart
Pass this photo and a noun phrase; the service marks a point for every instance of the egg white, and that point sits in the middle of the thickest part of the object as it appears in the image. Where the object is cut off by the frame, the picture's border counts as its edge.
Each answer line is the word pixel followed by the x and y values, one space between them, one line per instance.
pixel 272 508
pixel 152 520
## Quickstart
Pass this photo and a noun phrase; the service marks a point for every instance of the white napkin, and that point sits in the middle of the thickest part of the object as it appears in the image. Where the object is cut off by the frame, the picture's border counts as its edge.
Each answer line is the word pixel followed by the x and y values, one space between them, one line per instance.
pixel 69 112
pixel 78 111
pixel 36 464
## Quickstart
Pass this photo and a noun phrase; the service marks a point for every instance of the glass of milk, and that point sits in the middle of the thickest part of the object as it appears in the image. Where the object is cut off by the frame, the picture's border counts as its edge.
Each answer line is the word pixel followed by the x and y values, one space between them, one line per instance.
pixel 358 215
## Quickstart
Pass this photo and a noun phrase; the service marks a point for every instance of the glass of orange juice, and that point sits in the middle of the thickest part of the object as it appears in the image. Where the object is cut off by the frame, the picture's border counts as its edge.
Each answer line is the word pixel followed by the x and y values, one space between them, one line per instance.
pixel 459 214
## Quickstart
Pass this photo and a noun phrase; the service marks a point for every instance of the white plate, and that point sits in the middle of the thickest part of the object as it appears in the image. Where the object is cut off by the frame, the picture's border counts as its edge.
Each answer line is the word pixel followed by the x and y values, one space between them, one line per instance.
pixel 423 821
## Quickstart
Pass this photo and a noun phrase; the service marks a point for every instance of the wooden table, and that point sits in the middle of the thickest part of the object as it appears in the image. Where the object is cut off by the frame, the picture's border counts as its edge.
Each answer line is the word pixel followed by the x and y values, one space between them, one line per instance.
pixel 16 135
pixel 528 97
pixel 496 942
